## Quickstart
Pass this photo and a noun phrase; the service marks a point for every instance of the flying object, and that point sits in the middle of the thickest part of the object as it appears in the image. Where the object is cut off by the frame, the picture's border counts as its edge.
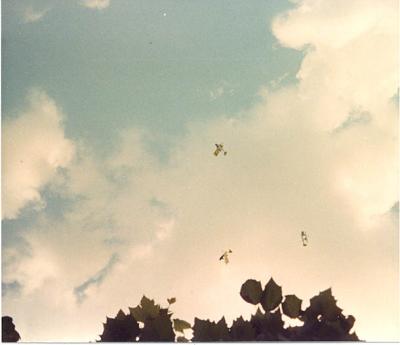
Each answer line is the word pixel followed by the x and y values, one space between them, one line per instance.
pixel 225 256
pixel 304 238
pixel 220 148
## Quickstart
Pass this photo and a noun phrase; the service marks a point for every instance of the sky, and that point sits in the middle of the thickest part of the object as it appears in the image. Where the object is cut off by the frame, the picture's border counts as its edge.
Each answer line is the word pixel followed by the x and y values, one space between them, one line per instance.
pixel 110 189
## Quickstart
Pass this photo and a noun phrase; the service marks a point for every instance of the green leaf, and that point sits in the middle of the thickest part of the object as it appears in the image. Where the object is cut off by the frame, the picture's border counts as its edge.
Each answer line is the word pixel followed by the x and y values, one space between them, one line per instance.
pixel 138 313
pixel 272 295
pixel 180 325
pixel 171 300
pixel 150 309
pixel 291 306
pixel 147 309
pixel 251 291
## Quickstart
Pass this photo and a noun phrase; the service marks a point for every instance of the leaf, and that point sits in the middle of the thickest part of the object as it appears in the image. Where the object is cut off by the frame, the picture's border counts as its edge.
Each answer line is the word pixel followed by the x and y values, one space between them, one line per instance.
pixel 291 306
pixel 349 323
pixel 272 295
pixel 324 304
pixel 158 329
pixel 242 330
pixel 182 340
pixel 146 309
pixel 8 331
pixel 121 315
pixel 138 313
pixel 205 330
pixel 180 325
pixel 150 309
pixel 120 329
pixel 251 291
pixel 171 300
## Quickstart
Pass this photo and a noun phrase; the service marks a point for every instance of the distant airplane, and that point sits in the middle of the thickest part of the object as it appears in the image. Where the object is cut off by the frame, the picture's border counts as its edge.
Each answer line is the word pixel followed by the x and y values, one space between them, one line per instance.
pixel 225 256
pixel 220 148
pixel 304 238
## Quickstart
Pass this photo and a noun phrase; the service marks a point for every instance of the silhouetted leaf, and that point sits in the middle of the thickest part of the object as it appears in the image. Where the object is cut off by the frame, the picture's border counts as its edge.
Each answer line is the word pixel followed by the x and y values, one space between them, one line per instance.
pixel 348 323
pixel 8 332
pixel 121 315
pixel 291 306
pixel 352 337
pixel 242 330
pixel 158 329
pixel 324 304
pixel 171 300
pixel 205 330
pixel 150 309
pixel 146 309
pixel 272 295
pixel 182 340
pixel 122 328
pixel 138 313
pixel 251 291
pixel 180 325
pixel 275 322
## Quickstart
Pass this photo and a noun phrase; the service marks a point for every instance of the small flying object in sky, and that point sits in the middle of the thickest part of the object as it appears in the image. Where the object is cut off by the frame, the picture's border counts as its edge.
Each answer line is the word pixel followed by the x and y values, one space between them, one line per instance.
pixel 225 256
pixel 304 238
pixel 220 148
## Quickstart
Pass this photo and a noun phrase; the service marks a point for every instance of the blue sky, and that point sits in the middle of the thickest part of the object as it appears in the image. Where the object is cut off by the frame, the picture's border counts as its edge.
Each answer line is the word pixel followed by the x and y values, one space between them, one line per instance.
pixel 110 189
pixel 132 66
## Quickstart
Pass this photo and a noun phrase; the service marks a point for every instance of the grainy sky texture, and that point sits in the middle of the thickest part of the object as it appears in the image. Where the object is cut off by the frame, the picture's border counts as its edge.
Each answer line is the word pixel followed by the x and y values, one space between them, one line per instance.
pixel 110 190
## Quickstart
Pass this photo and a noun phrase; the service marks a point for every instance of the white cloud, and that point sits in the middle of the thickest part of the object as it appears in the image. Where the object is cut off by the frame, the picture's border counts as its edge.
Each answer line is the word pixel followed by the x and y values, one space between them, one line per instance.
pixel 287 170
pixel 30 15
pixel 96 4
pixel 222 89
pixel 34 148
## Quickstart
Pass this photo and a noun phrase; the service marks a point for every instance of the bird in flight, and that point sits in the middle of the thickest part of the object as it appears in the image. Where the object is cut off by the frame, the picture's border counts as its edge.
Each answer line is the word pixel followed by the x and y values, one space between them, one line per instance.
pixel 304 238
pixel 220 148
pixel 225 256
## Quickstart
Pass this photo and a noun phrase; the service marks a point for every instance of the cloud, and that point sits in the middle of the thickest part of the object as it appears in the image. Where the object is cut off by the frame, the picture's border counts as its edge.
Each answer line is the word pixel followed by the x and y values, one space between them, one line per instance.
pixel 303 158
pixel 34 148
pixel 30 15
pixel 97 279
pixel 222 89
pixel 96 4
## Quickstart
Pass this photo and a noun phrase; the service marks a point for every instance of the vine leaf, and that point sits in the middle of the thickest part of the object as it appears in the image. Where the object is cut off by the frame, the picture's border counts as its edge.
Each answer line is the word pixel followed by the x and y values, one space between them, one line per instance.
pixel 138 313
pixel 205 330
pixel 251 291
pixel 242 330
pixel 271 296
pixel 8 333
pixel 180 325
pixel 158 329
pixel 182 340
pixel 291 306
pixel 147 309
pixel 324 304
pixel 171 300
pixel 121 315
pixel 122 328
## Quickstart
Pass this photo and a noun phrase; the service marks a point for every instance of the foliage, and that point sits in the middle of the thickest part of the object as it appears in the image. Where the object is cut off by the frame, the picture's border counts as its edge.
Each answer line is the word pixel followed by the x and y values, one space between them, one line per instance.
pixel 8 332
pixel 322 320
